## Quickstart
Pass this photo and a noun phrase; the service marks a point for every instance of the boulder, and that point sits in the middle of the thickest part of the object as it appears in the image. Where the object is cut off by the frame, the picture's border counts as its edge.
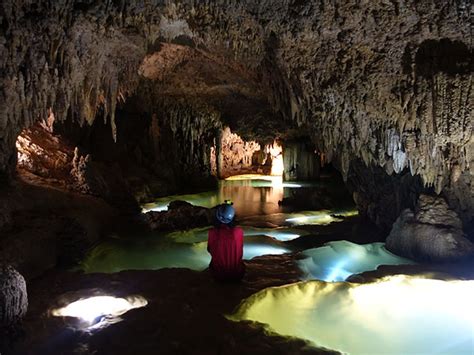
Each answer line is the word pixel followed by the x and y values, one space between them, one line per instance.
pixel 180 215
pixel 432 233
pixel 13 296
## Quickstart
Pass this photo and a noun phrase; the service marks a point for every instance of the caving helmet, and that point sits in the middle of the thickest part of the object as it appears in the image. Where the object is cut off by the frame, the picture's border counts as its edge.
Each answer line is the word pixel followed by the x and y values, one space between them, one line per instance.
pixel 225 213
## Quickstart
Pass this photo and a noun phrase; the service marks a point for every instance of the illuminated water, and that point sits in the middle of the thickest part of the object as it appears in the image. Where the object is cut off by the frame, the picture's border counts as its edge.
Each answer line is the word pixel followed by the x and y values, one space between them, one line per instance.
pixel 186 249
pixel 301 218
pixel 397 315
pixel 338 260
pixel 251 194
pixel 170 251
pixel 100 311
pixel 255 199
pixel 200 234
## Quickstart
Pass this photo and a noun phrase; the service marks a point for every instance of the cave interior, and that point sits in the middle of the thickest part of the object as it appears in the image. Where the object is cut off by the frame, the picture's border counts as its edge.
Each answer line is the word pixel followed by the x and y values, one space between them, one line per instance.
pixel 341 132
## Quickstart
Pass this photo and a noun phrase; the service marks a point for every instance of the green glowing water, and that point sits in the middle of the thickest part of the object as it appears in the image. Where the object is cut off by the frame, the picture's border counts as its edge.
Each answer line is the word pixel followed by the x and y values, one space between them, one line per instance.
pixel 396 315
pixel 187 249
pixel 256 201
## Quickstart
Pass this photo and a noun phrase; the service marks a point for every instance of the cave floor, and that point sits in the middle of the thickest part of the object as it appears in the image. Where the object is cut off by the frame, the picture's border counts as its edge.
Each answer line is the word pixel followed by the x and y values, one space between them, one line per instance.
pixel 186 309
pixel 185 313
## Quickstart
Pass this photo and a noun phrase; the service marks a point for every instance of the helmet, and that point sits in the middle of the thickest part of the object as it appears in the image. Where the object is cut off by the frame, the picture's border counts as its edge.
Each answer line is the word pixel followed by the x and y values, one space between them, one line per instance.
pixel 225 213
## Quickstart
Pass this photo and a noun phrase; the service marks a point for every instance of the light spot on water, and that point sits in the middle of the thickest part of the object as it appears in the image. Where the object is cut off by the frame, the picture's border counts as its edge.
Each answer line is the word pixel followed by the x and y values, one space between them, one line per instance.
pixel 92 309
pixel 321 217
pixel 336 261
pixel 396 315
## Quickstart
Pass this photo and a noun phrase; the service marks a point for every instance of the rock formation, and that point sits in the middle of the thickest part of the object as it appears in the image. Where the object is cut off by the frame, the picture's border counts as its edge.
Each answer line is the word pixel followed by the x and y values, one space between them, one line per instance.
pixel 432 233
pixel 300 161
pixel 235 155
pixel 385 83
pixel 13 296
pixel 379 196
pixel 180 215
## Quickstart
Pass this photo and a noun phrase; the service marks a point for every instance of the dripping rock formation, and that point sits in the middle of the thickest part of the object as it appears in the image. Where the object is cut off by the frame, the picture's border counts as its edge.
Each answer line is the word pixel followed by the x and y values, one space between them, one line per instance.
pixel 383 86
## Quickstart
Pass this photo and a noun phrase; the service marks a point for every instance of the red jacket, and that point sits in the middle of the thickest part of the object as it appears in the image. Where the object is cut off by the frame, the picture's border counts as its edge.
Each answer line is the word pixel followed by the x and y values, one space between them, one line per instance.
pixel 226 246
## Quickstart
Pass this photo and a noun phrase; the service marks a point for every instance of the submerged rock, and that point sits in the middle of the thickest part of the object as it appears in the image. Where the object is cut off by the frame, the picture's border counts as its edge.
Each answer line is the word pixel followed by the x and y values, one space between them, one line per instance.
pixel 13 296
pixel 180 215
pixel 432 233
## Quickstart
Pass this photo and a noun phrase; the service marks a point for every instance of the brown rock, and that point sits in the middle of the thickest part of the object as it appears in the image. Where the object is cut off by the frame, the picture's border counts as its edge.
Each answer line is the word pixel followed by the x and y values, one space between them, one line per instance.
pixel 180 215
pixel 433 233
pixel 13 296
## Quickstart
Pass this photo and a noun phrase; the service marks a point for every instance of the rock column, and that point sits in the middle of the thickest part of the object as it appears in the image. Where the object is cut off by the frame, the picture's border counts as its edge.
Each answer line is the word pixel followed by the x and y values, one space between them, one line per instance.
pixel 219 158
pixel 300 162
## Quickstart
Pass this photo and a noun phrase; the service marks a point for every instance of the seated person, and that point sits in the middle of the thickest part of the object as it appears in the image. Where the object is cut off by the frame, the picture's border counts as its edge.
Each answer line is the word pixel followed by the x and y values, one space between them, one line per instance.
pixel 226 244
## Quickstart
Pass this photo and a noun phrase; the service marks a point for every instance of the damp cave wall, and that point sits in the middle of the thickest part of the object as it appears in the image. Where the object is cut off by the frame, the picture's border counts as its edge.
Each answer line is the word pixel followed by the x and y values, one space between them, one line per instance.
pixel 157 151
pixel 300 160
pixel 384 85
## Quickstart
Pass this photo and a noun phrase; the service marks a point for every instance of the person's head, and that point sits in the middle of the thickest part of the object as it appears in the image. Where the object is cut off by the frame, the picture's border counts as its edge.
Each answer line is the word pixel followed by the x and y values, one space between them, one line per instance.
pixel 225 213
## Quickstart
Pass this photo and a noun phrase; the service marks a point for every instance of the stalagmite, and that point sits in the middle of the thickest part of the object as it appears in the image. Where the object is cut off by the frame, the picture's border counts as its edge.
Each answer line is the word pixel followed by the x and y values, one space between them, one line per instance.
pixel 432 232
pixel 13 296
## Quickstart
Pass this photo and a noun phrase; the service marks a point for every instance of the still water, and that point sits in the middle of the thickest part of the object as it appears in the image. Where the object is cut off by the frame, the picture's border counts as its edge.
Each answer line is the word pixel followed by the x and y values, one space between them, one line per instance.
pixel 255 199
pixel 398 314
pixel 251 194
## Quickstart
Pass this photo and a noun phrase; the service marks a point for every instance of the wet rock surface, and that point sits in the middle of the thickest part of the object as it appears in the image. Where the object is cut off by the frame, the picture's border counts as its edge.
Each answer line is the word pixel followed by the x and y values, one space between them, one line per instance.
pixel 300 161
pixel 432 233
pixel 180 215
pixel 234 156
pixel 185 316
pixel 186 309
pixel 13 296
pixel 45 154
pixel 381 197
pixel 48 226
pixel 54 158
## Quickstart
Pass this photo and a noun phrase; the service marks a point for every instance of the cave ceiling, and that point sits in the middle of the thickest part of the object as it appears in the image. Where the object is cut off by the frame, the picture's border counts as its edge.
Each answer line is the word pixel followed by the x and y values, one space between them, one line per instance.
pixel 182 72
pixel 387 82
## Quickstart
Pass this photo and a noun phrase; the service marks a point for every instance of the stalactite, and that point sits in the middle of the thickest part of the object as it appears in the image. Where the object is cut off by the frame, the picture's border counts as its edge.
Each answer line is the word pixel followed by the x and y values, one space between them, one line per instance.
pixel 335 73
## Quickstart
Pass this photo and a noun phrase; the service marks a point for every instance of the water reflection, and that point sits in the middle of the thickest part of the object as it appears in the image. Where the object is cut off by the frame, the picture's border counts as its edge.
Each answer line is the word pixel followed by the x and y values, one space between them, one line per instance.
pixel 321 218
pixel 251 194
